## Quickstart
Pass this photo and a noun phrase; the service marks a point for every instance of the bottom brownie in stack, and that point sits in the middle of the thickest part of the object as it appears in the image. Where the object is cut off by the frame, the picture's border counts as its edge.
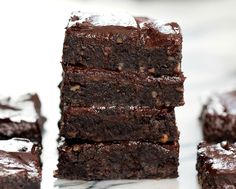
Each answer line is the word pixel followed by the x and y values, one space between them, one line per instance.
pixel 118 143
pixel 121 160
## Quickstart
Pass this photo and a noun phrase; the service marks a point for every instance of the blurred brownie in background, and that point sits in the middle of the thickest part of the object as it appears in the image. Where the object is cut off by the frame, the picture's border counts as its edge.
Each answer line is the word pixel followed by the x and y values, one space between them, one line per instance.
pixel 218 117
pixel 20 166
pixel 216 165
pixel 21 117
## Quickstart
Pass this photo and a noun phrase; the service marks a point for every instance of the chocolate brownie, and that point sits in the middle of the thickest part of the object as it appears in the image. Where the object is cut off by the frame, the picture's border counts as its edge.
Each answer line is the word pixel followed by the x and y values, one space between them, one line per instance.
pixel 218 117
pixel 121 42
pixel 100 124
pixel 19 164
pixel 88 87
pixel 21 118
pixel 122 160
pixel 216 165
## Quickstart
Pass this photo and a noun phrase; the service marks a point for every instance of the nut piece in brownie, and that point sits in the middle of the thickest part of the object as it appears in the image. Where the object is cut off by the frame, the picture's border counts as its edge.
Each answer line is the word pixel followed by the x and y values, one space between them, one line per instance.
pixel 216 165
pixel 88 87
pixel 122 42
pixel 218 117
pixel 122 160
pixel 103 124
pixel 19 164
pixel 21 118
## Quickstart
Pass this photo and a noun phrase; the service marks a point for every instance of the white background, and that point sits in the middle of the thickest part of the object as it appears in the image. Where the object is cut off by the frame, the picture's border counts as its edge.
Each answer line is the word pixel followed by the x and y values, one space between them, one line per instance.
pixel 31 39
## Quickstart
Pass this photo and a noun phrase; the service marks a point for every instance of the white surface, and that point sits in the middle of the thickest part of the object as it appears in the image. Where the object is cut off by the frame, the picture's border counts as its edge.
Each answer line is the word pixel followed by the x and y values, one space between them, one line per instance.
pixel 31 39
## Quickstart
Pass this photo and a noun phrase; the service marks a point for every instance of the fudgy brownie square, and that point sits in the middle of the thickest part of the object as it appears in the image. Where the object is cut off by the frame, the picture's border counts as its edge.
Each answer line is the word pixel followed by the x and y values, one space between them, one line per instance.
pixel 87 87
pixel 121 160
pixel 103 124
pixel 20 166
pixel 121 42
pixel 21 118
pixel 218 117
pixel 216 165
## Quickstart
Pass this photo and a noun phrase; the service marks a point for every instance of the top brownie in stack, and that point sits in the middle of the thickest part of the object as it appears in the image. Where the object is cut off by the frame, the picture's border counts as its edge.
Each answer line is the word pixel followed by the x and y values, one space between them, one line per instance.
pixel 123 43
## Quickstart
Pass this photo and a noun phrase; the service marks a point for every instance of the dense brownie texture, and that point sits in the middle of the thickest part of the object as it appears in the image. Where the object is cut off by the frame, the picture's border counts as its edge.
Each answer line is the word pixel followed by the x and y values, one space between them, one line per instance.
pixel 118 124
pixel 218 117
pixel 123 43
pixel 21 118
pixel 123 160
pixel 19 164
pixel 88 87
pixel 216 165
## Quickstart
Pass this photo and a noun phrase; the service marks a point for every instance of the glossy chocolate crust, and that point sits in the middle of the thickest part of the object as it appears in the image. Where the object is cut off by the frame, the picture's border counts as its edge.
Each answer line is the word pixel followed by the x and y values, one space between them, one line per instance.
pixel 145 46
pixel 93 87
pixel 218 117
pixel 19 164
pixel 123 160
pixel 216 165
pixel 118 124
pixel 17 123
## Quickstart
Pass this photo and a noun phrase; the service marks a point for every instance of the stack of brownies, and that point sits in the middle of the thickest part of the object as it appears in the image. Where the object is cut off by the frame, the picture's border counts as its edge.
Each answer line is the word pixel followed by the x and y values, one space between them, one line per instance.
pixel 122 80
